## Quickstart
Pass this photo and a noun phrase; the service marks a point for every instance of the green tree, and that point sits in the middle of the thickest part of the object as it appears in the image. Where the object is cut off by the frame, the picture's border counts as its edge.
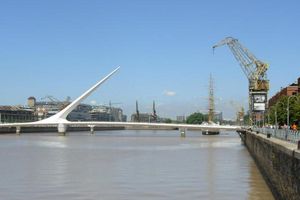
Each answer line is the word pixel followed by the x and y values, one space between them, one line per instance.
pixel 281 107
pixel 195 118
pixel 294 110
pixel 246 119
pixel 168 121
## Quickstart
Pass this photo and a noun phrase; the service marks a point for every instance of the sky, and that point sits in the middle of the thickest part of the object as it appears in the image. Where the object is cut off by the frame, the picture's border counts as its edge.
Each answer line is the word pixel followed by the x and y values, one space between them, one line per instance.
pixel 164 47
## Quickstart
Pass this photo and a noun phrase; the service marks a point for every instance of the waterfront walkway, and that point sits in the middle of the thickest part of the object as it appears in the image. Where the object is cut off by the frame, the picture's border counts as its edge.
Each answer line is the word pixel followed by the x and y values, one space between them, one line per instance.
pixel 283 134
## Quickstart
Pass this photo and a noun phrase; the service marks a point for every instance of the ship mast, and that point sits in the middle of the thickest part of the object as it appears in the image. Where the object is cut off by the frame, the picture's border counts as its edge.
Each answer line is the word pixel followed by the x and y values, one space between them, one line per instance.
pixel 211 106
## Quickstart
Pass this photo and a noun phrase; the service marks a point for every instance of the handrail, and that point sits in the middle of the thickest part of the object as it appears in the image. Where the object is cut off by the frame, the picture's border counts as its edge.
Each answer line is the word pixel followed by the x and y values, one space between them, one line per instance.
pixel 283 134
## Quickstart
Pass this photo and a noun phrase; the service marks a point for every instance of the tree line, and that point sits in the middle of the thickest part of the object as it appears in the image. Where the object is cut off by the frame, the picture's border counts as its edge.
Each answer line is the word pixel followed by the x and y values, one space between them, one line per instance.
pixel 281 108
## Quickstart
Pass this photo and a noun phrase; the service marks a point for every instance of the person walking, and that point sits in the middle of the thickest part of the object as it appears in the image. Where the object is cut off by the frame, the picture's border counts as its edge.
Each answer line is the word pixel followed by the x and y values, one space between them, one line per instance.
pixel 294 127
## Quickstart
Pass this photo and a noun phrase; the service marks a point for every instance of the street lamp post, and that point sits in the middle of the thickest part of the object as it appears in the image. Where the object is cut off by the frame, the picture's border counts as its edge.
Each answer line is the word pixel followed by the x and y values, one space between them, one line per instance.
pixel 288 109
pixel 276 105
pixel 276 124
pixel 264 119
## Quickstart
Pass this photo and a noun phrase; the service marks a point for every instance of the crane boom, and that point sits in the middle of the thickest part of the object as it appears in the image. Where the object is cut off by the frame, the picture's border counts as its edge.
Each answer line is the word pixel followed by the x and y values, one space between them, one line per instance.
pixel 254 69
pixel 51 98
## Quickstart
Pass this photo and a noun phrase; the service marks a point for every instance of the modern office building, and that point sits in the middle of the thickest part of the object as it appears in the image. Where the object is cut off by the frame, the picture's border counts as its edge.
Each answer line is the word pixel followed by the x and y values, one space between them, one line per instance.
pixel 107 113
pixel 81 113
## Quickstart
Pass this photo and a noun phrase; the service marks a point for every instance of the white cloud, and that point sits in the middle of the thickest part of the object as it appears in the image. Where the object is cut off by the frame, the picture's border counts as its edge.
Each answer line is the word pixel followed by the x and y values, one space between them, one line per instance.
pixel 170 93
pixel 93 102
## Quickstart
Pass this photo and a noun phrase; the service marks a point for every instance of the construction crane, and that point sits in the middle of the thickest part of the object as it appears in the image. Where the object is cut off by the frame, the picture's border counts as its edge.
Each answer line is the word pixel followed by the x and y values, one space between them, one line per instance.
pixel 137 111
pixel 61 104
pixel 240 112
pixel 255 71
pixel 154 115
pixel 240 116
pixel 113 103
pixel 51 98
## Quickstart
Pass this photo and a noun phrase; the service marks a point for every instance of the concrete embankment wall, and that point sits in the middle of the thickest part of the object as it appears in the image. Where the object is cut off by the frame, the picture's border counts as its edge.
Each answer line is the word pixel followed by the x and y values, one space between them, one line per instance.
pixel 279 162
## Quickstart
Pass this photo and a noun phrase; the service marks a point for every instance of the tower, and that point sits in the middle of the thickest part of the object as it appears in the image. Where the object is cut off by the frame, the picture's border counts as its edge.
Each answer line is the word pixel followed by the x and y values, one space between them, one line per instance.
pixel 31 101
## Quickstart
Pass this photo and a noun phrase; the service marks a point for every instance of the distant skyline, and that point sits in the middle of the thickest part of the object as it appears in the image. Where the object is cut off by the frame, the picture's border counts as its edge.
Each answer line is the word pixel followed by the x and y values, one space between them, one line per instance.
pixel 164 48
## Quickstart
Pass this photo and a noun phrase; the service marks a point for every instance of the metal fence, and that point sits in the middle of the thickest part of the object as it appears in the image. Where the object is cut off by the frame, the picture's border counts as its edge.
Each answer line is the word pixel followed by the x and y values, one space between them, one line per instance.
pixel 283 134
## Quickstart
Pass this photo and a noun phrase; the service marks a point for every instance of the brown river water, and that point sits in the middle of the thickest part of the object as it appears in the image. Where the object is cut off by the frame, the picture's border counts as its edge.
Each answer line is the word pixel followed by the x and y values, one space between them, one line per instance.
pixel 133 165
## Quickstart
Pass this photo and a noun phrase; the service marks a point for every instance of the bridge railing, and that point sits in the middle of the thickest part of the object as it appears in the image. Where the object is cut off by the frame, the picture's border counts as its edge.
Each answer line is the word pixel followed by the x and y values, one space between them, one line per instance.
pixel 283 134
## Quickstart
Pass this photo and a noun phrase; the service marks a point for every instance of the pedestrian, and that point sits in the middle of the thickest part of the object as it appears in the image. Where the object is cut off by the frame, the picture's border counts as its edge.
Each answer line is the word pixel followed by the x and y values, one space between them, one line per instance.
pixel 294 127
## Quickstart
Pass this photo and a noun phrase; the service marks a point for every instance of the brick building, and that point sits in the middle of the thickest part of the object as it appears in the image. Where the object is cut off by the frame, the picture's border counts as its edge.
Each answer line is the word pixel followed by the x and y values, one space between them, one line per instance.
pixel 287 91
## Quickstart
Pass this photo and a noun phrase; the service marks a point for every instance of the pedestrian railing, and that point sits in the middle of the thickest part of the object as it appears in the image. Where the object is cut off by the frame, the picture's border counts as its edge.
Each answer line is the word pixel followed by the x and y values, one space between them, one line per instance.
pixel 283 134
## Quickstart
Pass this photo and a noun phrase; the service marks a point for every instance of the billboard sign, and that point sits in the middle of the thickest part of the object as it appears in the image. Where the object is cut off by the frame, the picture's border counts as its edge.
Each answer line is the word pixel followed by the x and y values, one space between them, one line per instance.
pixel 259 100
pixel 259 106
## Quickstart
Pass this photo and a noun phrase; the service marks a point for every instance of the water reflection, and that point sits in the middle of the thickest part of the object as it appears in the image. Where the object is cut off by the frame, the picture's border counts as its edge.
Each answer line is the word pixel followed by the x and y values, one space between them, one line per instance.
pixel 128 165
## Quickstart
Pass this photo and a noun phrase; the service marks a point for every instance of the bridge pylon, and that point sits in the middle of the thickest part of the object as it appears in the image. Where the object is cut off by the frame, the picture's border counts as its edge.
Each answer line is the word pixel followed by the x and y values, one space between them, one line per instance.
pixel 18 130
pixel 92 129
pixel 62 129
pixel 182 132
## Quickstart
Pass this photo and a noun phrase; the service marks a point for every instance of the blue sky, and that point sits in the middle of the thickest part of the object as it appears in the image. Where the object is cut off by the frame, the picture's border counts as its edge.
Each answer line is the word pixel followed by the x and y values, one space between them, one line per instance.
pixel 61 48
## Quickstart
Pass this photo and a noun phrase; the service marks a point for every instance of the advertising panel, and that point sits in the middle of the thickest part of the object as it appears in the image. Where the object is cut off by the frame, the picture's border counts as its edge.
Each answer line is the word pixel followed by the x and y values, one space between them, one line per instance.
pixel 259 100
pixel 259 106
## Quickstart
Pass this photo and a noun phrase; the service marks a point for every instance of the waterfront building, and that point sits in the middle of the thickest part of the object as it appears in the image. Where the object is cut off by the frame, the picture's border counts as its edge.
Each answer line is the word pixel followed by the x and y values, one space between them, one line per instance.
pixel 116 114
pixel 144 117
pixel 31 101
pixel 124 118
pixel 99 116
pixel 218 117
pixel 81 113
pixel 50 106
pixel 12 114
pixel 100 113
pixel 180 118
pixel 135 117
pixel 292 89
pixel 107 113
pixel 38 110
pixel 45 109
